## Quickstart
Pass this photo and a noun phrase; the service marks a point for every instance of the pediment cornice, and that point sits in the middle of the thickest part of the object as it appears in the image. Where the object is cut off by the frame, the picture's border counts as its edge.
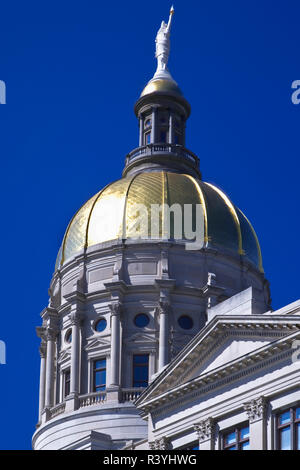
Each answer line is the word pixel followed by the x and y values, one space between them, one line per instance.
pixel 270 327
pixel 164 399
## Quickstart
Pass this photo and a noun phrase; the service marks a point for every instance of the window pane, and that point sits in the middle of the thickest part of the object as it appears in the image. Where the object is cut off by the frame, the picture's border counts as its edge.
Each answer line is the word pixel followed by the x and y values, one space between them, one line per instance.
pixel 185 322
pixel 245 446
pixel 101 325
pixel 285 417
pixel 285 438
pixel 298 436
pixel 140 370
pixel 231 448
pixel 141 320
pixel 140 359
pixel 244 433
pixel 100 377
pixel 100 364
pixel 163 137
pixel 297 413
pixel 141 373
pixel 230 438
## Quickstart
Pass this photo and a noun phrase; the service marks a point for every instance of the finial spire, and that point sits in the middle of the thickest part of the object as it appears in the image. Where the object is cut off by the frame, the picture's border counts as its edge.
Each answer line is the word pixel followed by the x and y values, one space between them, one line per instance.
pixel 163 46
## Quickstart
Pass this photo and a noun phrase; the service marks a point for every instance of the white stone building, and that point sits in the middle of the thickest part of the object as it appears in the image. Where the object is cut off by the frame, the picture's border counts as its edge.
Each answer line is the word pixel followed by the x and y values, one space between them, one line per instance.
pixel 147 343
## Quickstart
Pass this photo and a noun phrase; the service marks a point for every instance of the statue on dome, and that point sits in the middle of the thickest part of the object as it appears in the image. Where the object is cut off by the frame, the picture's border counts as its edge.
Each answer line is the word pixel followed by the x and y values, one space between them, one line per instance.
pixel 163 43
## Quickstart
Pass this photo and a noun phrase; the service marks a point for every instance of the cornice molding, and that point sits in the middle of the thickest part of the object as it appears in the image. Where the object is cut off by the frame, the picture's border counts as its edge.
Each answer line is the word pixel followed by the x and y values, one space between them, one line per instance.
pixel 217 378
pixel 190 356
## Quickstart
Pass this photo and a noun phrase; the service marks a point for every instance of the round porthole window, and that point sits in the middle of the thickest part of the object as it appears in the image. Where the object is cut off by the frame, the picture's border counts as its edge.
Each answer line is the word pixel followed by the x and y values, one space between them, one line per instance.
pixel 185 322
pixel 141 320
pixel 68 336
pixel 100 325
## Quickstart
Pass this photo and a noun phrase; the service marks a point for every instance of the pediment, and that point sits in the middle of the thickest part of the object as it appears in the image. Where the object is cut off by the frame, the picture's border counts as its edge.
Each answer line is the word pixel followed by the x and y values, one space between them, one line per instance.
pixel 226 350
pixel 224 346
pixel 96 344
pixel 64 355
pixel 139 338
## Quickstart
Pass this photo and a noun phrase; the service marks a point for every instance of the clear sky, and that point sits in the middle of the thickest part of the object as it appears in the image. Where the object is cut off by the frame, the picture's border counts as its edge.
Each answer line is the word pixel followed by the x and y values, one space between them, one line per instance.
pixel 73 71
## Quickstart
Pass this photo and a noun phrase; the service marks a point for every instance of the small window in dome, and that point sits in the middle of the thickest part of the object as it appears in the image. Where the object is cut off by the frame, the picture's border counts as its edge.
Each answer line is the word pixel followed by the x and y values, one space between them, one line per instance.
pixel 185 322
pixel 176 138
pixel 148 138
pixel 148 123
pixel 100 325
pixel 68 336
pixel 163 137
pixel 141 320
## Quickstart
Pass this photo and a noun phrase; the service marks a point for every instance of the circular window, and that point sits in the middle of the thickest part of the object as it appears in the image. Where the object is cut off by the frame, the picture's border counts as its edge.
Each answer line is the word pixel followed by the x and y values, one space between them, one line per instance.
pixel 68 336
pixel 185 322
pixel 141 320
pixel 100 325
pixel 148 123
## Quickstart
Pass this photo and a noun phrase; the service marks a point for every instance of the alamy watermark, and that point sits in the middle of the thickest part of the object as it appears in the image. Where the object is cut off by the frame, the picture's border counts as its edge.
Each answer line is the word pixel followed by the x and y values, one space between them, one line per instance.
pixel 179 222
pixel 2 352
pixel 2 92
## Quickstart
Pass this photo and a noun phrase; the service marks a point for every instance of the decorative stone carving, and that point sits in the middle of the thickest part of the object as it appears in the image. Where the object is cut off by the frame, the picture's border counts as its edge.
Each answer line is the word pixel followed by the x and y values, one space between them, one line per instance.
pixel 51 334
pixel 164 306
pixel 205 429
pixel 255 409
pixel 75 318
pixel 115 309
pixel 160 444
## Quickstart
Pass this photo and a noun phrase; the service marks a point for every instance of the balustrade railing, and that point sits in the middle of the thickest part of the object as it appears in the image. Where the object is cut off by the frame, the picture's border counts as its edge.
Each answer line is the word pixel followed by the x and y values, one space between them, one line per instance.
pixel 91 399
pixel 57 410
pixel 162 148
pixel 131 394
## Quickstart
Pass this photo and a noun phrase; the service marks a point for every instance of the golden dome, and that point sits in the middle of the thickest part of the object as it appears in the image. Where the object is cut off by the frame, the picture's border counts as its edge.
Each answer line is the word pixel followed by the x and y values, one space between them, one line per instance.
pixel 111 213
pixel 163 86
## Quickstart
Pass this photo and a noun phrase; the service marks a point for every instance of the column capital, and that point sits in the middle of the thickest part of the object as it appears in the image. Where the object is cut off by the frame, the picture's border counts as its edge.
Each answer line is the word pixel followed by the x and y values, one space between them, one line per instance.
pixel 256 408
pixel 164 307
pixel 51 334
pixel 160 444
pixel 75 318
pixel 115 309
pixel 205 429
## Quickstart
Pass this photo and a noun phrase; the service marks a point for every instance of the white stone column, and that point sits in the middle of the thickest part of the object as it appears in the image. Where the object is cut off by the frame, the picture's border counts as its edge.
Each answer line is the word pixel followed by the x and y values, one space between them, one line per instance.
pixel 75 354
pixel 171 129
pixel 141 120
pixel 115 344
pixel 163 355
pixel 206 434
pixel 49 380
pixel 256 411
pixel 154 125
pixel 42 378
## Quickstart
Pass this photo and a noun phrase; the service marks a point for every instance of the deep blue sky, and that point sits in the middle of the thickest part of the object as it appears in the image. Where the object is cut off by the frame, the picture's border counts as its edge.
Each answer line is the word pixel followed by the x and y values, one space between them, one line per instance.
pixel 73 71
